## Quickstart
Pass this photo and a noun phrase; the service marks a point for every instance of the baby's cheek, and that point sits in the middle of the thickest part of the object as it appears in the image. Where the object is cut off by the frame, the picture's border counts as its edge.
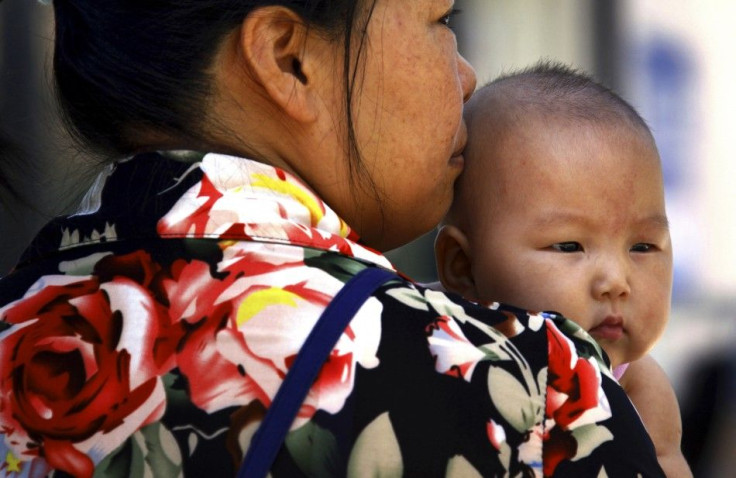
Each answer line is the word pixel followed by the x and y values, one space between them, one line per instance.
pixel 650 330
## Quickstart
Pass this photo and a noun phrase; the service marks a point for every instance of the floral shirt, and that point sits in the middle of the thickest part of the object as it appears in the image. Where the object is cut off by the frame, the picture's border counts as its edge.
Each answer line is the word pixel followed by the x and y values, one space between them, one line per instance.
pixel 147 334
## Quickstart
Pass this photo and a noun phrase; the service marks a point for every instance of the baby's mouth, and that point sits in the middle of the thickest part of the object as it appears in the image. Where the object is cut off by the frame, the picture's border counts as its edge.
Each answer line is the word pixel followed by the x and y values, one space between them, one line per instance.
pixel 611 328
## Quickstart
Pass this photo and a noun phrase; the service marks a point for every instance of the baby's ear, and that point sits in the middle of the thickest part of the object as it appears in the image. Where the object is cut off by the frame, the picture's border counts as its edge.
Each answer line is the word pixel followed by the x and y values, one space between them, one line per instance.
pixel 454 261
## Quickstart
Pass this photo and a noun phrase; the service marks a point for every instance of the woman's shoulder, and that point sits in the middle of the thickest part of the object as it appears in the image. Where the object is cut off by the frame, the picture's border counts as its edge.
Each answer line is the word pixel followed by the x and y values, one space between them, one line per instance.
pixel 541 381
pixel 206 330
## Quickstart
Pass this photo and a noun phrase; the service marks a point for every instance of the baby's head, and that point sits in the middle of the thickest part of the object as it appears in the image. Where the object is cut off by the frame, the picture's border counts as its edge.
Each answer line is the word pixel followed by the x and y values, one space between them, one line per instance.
pixel 561 207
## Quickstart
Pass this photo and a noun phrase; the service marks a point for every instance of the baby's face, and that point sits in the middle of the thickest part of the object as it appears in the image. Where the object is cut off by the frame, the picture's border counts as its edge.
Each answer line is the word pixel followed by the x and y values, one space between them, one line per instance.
pixel 579 227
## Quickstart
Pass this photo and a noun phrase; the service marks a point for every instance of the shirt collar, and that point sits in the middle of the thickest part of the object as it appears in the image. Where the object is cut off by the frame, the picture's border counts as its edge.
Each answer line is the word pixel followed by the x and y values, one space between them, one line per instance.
pixel 238 198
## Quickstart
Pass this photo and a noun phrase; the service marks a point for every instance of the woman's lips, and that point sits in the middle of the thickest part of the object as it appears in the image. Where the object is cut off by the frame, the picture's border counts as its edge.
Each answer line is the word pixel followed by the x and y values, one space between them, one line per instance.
pixel 457 158
pixel 612 328
pixel 457 161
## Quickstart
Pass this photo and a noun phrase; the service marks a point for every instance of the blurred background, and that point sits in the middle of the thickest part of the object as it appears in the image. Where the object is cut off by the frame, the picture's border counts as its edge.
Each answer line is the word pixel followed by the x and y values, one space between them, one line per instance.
pixel 674 60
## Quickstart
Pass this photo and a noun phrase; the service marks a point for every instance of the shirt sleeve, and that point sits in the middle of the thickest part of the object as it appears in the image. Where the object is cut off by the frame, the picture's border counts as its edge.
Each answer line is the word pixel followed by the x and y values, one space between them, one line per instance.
pixel 512 393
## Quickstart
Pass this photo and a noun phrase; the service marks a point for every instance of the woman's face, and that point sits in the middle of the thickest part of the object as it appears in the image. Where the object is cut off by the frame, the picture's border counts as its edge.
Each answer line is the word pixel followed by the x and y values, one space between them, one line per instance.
pixel 407 114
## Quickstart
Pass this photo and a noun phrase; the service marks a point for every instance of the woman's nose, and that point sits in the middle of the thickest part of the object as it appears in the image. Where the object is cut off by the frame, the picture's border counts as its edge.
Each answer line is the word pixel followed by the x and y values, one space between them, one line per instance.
pixel 612 279
pixel 467 77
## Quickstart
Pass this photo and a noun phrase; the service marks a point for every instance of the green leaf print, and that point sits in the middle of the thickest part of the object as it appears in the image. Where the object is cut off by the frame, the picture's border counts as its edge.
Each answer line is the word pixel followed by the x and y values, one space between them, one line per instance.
pixel 314 450
pixel 340 267
pixel 151 451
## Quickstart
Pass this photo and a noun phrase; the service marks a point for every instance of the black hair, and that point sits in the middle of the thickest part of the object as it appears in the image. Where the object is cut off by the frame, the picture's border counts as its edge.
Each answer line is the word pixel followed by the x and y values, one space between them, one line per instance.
pixel 541 87
pixel 10 165
pixel 126 69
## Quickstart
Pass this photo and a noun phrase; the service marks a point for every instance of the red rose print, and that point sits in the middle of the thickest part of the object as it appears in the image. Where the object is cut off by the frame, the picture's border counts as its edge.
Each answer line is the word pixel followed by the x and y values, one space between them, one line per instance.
pixel 559 445
pixel 574 399
pixel 243 332
pixel 571 376
pixel 454 354
pixel 82 357
pixel 496 434
pixel 209 324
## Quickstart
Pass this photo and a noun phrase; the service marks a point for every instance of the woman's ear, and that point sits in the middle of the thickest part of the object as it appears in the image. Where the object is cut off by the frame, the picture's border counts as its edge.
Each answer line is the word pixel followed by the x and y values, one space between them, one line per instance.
pixel 273 45
pixel 454 262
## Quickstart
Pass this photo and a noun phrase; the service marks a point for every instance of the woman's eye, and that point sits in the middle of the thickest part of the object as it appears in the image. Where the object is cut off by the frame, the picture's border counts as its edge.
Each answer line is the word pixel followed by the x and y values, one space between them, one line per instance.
pixel 446 20
pixel 568 247
pixel 642 247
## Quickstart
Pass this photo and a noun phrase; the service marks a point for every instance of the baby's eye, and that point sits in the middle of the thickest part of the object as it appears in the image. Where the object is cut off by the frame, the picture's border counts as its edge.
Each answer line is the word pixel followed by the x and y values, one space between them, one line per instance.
pixel 568 247
pixel 642 247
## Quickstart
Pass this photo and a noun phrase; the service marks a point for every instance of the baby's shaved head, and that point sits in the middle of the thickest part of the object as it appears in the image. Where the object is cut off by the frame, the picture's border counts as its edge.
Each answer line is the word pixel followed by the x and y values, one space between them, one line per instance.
pixel 556 91
pixel 546 95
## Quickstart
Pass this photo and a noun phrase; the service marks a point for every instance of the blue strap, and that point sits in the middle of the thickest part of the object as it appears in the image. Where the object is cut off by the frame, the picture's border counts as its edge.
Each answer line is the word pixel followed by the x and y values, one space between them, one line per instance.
pixel 334 319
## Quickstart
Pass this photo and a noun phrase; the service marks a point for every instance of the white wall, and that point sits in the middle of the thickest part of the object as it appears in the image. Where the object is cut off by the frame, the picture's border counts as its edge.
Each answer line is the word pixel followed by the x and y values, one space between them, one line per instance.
pixel 502 35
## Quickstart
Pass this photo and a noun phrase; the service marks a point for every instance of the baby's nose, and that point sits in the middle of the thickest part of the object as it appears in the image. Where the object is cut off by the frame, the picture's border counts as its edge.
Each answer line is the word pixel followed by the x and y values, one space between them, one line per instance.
pixel 611 279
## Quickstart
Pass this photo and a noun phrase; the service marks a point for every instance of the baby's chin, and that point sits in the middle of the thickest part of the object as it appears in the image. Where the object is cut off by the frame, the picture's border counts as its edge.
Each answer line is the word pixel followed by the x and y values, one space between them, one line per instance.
pixel 617 355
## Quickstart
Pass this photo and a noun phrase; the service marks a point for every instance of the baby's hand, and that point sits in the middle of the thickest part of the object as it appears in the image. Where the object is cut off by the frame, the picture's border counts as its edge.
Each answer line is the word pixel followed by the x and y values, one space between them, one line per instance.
pixel 650 390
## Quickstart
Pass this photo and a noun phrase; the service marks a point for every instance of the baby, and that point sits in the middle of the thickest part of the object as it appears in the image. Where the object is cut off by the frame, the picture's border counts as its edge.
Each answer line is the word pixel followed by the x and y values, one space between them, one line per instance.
pixel 561 207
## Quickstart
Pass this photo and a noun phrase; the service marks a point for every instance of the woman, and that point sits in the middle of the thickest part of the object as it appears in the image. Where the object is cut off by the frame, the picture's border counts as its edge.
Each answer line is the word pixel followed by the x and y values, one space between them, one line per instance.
pixel 150 331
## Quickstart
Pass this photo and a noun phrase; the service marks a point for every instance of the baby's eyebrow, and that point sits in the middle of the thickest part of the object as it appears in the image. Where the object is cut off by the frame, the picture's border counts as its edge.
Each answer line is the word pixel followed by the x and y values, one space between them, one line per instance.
pixel 657 220
pixel 549 219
